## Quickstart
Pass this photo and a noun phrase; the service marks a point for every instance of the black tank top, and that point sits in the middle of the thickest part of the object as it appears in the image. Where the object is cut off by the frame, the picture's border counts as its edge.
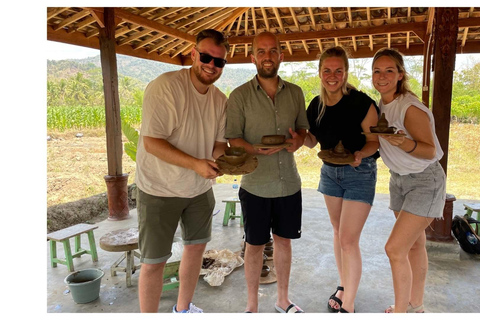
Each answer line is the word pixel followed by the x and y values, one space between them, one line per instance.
pixel 341 121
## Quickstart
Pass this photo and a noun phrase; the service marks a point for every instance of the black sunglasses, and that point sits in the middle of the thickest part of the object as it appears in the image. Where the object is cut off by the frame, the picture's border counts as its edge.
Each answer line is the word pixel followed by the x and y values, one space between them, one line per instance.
pixel 206 58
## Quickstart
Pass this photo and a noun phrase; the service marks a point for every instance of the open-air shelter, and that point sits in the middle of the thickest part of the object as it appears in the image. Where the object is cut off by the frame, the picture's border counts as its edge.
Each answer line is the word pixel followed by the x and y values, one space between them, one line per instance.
pixel 167 34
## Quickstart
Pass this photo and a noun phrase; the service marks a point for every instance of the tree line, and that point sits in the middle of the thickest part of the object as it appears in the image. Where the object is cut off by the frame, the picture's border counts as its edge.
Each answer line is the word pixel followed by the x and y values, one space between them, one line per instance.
pixel 75 87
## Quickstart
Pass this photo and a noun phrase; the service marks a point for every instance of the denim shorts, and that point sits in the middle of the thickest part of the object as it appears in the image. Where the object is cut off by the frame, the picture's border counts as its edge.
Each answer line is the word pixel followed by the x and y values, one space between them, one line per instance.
pixel 422 194
pixel 350 183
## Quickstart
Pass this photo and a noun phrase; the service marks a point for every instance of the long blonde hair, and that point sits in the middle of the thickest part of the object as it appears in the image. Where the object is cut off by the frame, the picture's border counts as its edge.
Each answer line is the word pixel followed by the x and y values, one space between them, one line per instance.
pixel 402 85
pixel 338 52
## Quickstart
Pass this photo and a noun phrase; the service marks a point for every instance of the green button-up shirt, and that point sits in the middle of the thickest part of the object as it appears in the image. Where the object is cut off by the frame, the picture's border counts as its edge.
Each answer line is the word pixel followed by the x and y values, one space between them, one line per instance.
pixel 251 114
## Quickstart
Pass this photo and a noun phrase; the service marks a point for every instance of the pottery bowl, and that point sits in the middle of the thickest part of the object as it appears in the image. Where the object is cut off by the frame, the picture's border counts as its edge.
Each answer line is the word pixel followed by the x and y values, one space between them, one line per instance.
pixel 268 251
pixel 265 270
pixel 235 155
pixel 273 139
pixel 383 130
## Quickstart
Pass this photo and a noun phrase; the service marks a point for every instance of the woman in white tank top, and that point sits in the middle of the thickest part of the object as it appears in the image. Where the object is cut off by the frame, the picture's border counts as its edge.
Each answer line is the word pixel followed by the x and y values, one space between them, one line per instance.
pixel 417 182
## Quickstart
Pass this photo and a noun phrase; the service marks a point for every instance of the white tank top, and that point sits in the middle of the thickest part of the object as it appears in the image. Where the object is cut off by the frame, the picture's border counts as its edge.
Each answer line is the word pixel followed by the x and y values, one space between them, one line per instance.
pixel 395 158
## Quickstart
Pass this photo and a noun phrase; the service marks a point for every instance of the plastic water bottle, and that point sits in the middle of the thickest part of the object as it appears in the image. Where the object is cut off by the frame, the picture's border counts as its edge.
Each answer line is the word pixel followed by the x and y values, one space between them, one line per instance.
pixel 235 189
pixel 471 238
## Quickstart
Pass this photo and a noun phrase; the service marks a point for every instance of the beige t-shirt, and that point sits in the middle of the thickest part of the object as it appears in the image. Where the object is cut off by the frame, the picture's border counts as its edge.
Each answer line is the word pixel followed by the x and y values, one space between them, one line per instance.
pixel 175 111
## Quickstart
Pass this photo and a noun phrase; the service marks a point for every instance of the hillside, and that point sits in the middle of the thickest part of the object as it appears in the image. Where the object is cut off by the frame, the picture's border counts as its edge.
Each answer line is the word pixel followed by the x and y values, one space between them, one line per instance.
pixel 139 69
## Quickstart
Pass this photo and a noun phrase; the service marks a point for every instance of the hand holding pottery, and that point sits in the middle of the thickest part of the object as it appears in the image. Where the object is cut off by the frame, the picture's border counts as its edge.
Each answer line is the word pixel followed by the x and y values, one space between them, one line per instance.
pixel 382 126
pixel 273 139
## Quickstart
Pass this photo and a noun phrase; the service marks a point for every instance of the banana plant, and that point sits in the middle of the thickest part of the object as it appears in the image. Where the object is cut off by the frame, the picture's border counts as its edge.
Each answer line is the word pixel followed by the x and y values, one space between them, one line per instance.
pixel 130 147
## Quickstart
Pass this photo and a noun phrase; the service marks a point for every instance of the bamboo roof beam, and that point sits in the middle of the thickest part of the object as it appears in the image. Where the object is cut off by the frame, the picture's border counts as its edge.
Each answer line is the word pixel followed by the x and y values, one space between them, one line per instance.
pixel 183 15
pixel 160 44
pixel 132 18
pixel 312 17
pixel 135 36
pixel 254 20
pixel 233 16
pixel 264 15
pixel 166 13
pixel 55 12
pixel 320 47
pixel 72 19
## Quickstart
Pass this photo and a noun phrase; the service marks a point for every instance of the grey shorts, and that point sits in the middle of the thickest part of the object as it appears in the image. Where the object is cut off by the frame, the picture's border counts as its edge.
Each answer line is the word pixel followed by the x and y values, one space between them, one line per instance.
pixel 422 194
pixel 158 219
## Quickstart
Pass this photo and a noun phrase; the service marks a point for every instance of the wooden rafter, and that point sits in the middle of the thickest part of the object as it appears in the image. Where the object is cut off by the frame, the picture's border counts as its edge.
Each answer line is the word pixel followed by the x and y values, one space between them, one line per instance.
pixel 312 18
pixel 161 44
pixel 55 11
pixel 175 20
pixel 231 19
pixel 416 27
pixel 132 18
pixel 303 32
pixel 149 40
pixel 264 15
pixel 203 18
pixel 72 19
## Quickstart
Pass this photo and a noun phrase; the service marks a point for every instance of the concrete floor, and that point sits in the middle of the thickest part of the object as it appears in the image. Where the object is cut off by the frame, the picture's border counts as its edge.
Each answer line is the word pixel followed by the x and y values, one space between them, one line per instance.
pixel 452 282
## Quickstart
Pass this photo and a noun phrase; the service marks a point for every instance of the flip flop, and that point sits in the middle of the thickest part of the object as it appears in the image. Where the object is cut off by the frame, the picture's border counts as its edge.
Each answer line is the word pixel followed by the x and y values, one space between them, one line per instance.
pixel 337 300
pixel 410 309
pixel 293 308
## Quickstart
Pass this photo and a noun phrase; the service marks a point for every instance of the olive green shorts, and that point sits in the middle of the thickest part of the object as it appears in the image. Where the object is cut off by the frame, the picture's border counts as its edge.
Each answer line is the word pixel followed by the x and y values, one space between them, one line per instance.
pixel 158 219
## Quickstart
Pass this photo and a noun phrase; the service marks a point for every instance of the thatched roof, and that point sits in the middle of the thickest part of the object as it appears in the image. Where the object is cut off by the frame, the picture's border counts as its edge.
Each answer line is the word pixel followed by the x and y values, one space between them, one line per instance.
pixel 167 34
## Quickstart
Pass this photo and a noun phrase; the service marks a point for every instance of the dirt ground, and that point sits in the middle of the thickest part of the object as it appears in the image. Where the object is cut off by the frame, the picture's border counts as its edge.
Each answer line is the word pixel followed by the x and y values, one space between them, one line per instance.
pixel 76 167
pixel 77 164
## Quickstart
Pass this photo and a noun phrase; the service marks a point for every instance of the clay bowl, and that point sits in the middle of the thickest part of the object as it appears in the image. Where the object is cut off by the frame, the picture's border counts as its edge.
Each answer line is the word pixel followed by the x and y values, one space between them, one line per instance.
pixel 268 251
pixel 273 139
pixel 265 270
pixel 235 155
pixel 383 130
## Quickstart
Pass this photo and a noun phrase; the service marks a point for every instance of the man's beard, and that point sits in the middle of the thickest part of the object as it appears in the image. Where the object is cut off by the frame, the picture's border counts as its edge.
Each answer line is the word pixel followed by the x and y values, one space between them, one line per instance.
pixel 206 81
pixel 267 74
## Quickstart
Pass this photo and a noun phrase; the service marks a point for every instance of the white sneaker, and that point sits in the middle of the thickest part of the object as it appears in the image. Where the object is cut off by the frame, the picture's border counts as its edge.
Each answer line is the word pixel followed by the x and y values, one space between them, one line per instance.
pixel 191 309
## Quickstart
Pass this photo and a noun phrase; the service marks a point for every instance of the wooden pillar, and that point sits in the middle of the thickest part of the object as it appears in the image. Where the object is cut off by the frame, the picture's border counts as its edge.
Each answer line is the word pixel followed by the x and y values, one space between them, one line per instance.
pixel 116 181
pixel 445 46
pixel 446 30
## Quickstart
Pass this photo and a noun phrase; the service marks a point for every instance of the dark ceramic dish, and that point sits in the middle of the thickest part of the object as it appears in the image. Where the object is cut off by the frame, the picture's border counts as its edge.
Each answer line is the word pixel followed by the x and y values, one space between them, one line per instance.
pixel 273 139
pixel 235 155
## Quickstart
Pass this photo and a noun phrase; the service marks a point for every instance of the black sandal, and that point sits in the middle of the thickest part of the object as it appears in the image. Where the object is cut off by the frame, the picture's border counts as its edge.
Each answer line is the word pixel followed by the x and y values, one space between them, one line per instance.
pixel 344 311
pixel 337 300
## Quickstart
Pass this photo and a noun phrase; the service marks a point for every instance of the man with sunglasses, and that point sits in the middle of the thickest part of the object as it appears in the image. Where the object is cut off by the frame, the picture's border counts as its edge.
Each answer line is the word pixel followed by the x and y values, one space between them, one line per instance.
pixel 270 196
pixel 182 132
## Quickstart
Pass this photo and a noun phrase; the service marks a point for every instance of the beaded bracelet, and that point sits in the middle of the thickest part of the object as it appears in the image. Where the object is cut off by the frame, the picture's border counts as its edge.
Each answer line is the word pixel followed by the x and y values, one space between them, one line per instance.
pixel 414 147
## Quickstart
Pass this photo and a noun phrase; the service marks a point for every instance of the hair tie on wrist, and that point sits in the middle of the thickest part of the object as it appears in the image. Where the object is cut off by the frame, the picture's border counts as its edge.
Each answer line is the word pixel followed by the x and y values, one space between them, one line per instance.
pixel 414 147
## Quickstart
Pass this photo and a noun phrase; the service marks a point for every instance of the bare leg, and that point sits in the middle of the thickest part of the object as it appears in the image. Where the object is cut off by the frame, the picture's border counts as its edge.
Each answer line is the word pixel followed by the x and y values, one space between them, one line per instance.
pixel 353 217
pixel 419 263
pixel 253 269
pixel 150 285
pixel 405 232
pixel 282 260
pixel 334 207
pixel 188 273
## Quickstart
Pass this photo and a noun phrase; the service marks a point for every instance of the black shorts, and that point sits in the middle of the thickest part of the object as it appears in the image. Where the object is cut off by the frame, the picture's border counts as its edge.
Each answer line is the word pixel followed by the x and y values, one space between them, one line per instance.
pixel 283 216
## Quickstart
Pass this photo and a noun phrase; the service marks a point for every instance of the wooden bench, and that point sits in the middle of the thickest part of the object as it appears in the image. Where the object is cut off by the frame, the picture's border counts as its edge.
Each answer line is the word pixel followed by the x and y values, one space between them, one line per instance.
pixel 63 236
pixel 230 211
pixel 126 241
